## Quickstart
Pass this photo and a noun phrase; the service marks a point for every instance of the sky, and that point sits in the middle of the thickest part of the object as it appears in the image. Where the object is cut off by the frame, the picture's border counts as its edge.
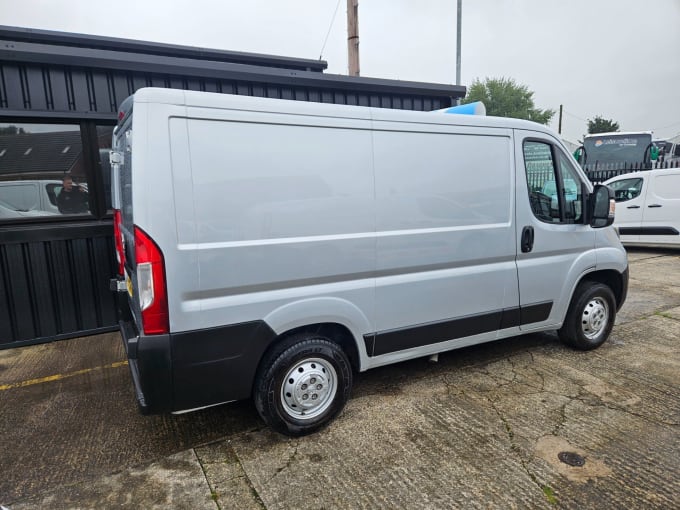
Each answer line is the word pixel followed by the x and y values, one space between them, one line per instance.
pixel 613 58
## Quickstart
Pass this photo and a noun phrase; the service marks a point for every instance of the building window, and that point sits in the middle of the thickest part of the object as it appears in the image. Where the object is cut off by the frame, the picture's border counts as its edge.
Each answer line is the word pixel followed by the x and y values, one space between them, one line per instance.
pixel 42 171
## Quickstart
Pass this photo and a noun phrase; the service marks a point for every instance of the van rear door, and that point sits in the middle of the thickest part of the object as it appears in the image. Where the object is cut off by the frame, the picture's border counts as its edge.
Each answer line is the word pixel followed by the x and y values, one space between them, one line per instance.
pixel 121 183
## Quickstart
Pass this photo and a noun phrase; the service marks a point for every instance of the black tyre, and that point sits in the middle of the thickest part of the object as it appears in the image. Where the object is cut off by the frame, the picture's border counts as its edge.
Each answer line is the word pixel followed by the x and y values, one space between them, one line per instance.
pixel 590 318
pixel 302 384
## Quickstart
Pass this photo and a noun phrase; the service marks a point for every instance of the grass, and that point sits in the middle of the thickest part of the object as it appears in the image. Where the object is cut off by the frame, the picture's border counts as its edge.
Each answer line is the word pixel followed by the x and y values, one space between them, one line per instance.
pixel 549 495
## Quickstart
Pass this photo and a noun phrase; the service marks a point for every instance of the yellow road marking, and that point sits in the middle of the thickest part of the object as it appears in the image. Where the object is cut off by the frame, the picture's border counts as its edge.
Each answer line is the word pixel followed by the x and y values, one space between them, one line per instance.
pixel 58 377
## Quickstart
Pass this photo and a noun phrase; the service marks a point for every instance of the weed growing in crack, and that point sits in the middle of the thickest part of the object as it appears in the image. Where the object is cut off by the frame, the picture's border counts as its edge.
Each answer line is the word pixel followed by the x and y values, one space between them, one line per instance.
pixel 549 494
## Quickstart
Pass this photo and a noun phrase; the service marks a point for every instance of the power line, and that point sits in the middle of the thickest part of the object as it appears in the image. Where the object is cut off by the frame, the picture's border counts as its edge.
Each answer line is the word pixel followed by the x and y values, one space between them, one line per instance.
pixel 575 116
pixel 329 29
pixel 666 127
pixel 653 129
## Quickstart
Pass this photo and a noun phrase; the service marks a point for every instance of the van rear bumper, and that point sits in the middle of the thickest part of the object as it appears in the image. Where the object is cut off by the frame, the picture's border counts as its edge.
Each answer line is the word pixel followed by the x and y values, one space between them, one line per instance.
pixel 193 369
pixel 151 368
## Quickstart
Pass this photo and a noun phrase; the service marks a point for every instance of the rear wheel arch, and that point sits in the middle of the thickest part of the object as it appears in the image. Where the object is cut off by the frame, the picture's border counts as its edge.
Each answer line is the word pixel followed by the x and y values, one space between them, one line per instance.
pixel 335 332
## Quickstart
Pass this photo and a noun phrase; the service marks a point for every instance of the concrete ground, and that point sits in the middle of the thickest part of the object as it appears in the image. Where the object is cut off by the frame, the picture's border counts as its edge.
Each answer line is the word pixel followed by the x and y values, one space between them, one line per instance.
pixel 483 428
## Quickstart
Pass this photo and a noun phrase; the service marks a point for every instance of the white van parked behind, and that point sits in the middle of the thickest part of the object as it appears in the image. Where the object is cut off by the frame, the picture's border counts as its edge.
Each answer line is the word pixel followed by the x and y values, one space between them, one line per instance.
pixel 20 198
pixel 648 210
pixel 272 248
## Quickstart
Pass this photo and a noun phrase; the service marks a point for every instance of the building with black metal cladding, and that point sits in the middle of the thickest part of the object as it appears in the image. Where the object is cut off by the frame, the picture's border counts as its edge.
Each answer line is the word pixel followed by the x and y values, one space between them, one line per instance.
pixel 59 94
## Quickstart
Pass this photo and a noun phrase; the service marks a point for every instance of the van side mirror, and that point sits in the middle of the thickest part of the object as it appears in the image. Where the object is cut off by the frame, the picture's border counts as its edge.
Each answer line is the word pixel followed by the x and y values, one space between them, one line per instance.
pixel 602 206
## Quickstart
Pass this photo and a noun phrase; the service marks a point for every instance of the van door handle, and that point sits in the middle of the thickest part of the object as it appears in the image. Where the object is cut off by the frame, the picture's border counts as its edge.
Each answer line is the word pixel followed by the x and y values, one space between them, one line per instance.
pixel 654 205
pixel 527 239
pixel 633 207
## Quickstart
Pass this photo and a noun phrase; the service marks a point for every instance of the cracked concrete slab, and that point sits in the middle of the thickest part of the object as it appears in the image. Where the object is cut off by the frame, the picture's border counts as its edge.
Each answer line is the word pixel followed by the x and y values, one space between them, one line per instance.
pixel 485 427
pixel 229 484
pixel 176 481
pixel 473 437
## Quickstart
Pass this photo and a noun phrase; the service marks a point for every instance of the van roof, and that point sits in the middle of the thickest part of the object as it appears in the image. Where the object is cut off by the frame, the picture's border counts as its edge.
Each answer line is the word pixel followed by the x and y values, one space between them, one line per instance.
pixel 287 106
pixel 618 133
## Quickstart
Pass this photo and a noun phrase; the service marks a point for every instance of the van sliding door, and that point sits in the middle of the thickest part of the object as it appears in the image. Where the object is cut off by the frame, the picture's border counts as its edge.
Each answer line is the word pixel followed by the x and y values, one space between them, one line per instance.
pixel 446 272
pixel 661 212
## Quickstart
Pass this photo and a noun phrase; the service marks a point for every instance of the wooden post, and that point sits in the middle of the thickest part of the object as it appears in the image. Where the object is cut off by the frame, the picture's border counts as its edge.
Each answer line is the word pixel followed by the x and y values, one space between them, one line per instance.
pixel 353 37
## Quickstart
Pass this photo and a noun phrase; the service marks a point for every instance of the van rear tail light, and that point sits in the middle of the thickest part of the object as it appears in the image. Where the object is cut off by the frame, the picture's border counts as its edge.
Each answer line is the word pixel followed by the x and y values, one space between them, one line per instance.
pixel 151 285
pixel 119 241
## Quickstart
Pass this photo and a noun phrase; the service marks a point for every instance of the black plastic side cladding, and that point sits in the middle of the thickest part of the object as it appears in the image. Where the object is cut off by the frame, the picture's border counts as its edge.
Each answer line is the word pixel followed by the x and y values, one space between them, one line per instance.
pixel 624 288
pixel 217 365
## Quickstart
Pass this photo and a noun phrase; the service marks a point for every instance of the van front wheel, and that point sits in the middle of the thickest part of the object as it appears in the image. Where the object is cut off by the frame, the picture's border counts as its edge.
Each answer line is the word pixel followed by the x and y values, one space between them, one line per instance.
pixel 302 384
pixel 590 318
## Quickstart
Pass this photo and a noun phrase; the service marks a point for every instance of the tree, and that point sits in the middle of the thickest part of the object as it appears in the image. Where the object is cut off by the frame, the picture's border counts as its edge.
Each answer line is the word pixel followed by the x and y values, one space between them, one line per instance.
pixel 503 97
pixel 601 125
pixel 12 130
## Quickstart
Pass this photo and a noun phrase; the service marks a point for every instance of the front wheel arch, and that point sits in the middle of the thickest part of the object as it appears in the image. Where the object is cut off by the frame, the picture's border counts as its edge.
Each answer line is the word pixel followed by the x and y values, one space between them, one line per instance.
pixel 616 281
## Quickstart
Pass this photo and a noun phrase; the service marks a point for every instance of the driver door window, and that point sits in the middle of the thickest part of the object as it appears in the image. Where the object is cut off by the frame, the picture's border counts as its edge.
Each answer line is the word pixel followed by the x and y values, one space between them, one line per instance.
pixel 554 185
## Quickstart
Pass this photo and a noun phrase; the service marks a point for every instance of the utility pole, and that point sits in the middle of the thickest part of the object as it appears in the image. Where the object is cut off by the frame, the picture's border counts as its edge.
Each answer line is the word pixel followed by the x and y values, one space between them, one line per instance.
pixel 460 28
pixel 559 124
pixel 353 36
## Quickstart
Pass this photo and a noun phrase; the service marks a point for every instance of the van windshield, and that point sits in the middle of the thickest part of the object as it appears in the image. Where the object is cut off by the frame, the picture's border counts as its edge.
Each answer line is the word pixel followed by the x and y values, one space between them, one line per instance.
pixel 617 148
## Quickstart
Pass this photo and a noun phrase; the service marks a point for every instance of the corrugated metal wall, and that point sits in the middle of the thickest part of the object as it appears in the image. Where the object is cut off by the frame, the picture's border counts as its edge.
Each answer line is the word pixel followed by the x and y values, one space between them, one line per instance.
pixel 54 277
pixel 64 89
pixel 54 283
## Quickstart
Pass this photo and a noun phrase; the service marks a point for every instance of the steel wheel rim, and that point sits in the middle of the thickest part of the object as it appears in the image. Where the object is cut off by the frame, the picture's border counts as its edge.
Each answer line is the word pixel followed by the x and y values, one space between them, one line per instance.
pixel 595 317
pixel 309 388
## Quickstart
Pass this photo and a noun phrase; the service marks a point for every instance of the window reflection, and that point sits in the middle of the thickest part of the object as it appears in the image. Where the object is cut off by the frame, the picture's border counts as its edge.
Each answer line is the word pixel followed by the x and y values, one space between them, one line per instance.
pixel 42 171
pixel 555 197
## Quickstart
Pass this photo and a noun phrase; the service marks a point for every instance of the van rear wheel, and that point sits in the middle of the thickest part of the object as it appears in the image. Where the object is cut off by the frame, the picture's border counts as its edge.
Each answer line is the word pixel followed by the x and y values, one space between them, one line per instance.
pixel 302 384
pixel 590 318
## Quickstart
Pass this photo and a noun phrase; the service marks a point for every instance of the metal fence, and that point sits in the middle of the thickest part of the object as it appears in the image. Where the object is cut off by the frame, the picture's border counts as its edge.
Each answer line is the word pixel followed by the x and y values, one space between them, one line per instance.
pixel 598 173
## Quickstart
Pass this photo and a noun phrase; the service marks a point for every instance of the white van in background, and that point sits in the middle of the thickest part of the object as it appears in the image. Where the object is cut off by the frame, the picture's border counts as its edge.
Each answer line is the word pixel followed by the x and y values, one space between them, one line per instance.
pixel 648 207
pixel 7 211
pixel 21 198
pixel 271 248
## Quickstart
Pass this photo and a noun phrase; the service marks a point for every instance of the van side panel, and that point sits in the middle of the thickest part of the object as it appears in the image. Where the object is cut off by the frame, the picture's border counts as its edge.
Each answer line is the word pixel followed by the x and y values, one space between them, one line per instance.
pixel 284 212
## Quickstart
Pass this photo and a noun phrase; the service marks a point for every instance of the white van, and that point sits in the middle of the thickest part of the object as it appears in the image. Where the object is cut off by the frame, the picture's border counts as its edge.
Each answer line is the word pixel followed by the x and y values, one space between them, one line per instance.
pixel 271 248
pixel 20 198
pixel 648 210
